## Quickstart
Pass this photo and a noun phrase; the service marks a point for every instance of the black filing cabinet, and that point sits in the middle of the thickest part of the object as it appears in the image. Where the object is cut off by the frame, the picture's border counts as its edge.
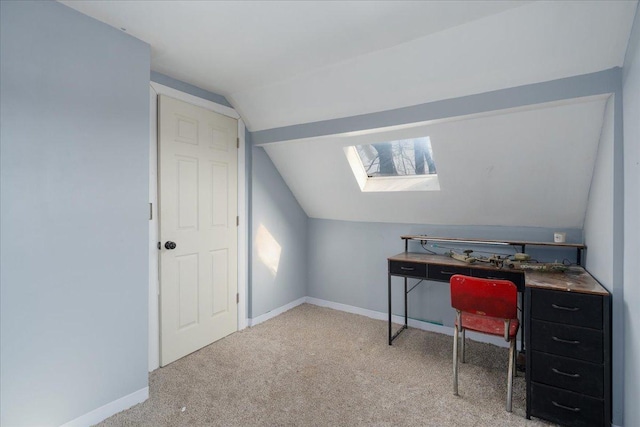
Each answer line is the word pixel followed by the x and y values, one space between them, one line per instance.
pixel 568 357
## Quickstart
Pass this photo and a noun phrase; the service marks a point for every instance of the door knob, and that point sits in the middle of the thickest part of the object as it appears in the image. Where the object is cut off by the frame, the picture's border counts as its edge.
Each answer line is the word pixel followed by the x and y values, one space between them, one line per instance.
pixel 170 245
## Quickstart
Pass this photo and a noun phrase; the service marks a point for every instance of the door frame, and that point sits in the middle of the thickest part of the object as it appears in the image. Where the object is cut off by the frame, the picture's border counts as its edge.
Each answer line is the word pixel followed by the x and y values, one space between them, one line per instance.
pixel 156 89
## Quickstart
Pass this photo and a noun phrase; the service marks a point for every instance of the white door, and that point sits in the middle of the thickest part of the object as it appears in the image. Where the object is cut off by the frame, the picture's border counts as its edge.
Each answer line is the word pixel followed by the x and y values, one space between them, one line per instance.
pixel 197 168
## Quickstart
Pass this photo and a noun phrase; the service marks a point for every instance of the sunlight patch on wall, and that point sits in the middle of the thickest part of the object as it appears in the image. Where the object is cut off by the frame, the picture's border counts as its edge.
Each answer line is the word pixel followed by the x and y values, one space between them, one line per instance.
pixel 268 249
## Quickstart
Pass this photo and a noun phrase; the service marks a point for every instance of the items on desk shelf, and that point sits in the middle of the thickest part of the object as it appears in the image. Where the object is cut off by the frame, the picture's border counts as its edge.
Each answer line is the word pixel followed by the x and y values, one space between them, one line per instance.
pixel 497 261
pixel 425 239
pixel 559 237
pixel 464 257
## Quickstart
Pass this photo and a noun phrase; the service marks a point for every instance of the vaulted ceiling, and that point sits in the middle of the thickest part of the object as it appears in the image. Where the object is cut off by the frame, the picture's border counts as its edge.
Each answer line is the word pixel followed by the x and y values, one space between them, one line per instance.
pixel 521 167
pixel 284 63
pixel 281 63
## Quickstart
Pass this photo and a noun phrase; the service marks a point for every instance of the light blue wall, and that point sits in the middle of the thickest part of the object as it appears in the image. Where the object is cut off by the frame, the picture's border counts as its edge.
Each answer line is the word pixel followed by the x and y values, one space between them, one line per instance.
pixel 74 213
pixel 598 223
pixel 276 210
pixel 348 262
pixel 189 88
pixel 631 98
pixel 603 237
pixel 321 258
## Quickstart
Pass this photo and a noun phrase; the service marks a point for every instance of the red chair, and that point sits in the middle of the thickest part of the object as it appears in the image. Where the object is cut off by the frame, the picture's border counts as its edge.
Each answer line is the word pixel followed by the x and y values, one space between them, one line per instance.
pixel 487 306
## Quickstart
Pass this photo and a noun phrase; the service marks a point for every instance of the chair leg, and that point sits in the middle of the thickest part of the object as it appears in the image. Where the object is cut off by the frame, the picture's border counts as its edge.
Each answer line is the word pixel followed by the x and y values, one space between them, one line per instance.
pixel 512 348
pixel 462 345
pixel 455 361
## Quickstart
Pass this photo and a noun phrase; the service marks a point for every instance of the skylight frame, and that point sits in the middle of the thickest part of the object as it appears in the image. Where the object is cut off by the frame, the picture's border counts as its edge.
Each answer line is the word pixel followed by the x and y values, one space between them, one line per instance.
pixel 391 183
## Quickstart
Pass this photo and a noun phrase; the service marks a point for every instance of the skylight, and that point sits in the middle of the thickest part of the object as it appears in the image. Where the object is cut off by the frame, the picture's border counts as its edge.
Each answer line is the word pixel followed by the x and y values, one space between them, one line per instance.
pixel 402 165
pixel 398 158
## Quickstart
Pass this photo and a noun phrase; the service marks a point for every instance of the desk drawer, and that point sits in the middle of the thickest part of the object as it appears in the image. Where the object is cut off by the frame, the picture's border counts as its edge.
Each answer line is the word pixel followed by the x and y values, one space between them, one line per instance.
pixel 575 375
pixel 567 307
pixel 516 278
pixel 410 269
pixel 444 272
pixel 565 340
pixel 566 407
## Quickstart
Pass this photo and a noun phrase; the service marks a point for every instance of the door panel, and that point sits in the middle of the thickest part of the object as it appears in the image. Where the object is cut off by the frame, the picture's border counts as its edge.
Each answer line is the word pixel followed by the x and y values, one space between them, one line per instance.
pixel 198 205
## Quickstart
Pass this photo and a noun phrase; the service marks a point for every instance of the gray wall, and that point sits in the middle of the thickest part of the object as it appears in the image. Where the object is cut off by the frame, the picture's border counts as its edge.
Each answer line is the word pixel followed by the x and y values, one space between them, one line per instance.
pixel 74 213
pixel 631 94
pixel 276 210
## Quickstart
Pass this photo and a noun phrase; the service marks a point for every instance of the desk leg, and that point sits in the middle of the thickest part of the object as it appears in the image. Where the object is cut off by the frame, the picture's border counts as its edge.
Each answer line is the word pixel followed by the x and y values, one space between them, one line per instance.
pixel 389 298
pixel 406 324
pixel 521 357
pixel 393 336
pixel 522 340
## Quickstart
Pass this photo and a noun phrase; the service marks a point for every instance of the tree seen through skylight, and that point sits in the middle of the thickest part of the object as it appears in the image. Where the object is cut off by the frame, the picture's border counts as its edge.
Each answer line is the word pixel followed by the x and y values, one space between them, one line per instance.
pixel 398 158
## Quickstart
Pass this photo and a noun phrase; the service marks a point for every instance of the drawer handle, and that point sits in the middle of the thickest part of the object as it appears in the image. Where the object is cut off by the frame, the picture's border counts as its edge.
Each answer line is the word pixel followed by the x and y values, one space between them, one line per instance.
pixel 565 341
pixel 568 408
pixel 566 374
pixel 559 307
pixel 447 272
pixel 407 268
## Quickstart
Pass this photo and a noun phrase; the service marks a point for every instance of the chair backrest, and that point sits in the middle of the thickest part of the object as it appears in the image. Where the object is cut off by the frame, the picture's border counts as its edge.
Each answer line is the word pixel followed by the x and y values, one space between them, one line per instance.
pixel 486 297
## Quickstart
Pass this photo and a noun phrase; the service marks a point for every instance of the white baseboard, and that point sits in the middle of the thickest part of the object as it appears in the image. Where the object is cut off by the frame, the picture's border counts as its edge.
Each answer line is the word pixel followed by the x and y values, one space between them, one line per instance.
pixel 378 315
pixel 273 313
pixel 418 324
pixel 348 308
pixel 111 408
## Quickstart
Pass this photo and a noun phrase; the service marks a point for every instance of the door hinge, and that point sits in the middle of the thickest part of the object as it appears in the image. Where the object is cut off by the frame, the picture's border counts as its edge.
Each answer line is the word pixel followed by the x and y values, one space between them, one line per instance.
pixel 237 221
pixel 150 211
pixel 238 142
pixel 237 298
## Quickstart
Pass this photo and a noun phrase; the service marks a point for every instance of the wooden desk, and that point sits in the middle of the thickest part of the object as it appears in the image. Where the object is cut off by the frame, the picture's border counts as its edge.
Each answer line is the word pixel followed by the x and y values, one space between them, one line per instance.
pixel 440 268
pixel 567 329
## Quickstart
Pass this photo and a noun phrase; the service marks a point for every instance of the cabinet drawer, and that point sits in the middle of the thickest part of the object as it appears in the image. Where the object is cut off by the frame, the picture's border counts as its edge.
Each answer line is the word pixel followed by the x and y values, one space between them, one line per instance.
pixel 566 407
pixel 516 278
pixel 565 340
pixel 570 374
pixel 410 269
pixel 567 307
pixel 444 272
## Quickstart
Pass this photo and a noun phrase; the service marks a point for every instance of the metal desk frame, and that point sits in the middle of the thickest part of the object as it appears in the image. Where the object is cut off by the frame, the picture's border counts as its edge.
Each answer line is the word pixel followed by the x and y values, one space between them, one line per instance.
pixel 423 239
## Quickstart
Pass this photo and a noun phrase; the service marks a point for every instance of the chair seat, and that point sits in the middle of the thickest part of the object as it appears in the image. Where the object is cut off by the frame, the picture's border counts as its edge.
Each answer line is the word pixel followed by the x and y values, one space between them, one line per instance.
pixel 488 325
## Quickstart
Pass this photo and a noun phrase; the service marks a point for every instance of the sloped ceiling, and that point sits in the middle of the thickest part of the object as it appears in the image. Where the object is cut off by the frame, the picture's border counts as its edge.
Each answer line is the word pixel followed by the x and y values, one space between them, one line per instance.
pixel 286 63
pixel 290 63
pixel 527 167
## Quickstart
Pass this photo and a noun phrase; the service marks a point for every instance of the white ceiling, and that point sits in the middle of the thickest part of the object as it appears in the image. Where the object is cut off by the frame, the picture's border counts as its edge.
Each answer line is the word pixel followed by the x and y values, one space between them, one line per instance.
pixel 525 167
pixel 294 62
pixel 285 63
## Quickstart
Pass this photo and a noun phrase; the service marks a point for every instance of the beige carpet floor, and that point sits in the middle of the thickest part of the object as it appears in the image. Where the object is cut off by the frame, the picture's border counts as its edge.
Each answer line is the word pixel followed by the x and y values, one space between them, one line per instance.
pixel 314 366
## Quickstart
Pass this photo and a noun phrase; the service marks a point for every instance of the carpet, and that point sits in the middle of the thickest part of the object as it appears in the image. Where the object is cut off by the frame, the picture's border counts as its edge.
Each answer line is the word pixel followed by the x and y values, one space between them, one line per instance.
pixel 314 366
